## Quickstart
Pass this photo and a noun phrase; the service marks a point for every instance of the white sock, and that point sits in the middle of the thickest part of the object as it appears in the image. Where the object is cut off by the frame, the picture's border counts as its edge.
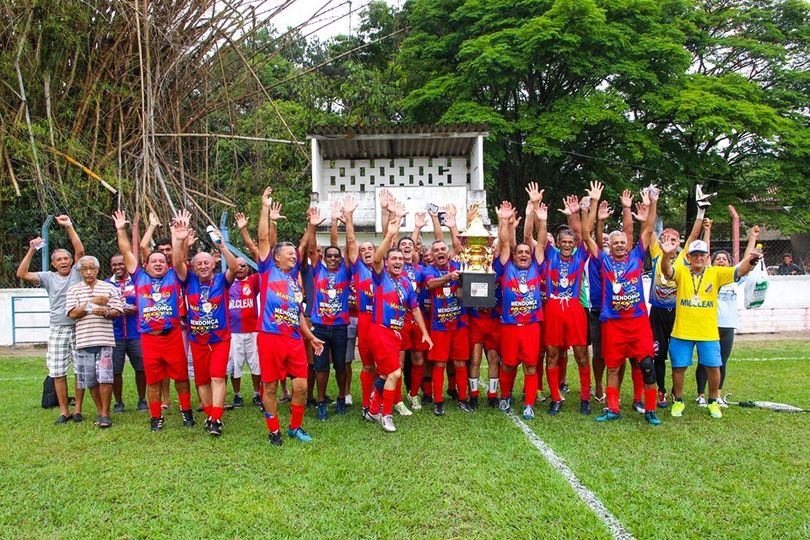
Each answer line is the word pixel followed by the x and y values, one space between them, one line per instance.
pixel 473 384
pixel 493 386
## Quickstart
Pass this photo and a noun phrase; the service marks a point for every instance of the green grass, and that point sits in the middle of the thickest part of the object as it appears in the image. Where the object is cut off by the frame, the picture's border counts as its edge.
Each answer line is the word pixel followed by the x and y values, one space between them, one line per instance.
pixel 462 476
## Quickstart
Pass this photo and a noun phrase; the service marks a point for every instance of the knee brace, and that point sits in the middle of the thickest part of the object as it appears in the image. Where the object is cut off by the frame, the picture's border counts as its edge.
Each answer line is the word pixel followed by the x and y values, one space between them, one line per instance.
pixel 647 370
pixel 379 384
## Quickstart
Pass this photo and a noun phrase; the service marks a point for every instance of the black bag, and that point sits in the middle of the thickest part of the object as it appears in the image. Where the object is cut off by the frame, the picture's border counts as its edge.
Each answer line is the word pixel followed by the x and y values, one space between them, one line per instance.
pixel 49 400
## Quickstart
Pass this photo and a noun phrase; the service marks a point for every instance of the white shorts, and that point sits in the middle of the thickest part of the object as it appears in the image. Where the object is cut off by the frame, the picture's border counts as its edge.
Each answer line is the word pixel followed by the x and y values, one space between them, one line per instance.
pixel 243 349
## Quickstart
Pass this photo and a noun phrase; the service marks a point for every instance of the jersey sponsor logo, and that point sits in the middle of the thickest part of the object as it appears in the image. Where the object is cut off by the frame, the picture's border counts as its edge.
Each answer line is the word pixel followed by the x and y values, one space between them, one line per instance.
pixel 690 302
pixel 240 303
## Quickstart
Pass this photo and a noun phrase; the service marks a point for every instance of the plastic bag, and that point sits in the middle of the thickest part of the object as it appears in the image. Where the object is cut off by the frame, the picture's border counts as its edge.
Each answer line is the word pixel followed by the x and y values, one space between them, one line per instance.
pixel 756 287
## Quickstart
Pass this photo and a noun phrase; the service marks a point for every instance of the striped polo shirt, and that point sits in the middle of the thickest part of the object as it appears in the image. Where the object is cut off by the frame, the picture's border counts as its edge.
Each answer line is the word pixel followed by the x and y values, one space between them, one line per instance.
pixel 94 330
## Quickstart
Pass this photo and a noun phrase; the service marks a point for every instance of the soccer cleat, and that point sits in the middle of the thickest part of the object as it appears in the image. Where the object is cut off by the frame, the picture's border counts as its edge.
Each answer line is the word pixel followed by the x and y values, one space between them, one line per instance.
pixel 503 405
pixel 287 399
pixel 348 399
pixel 63 419
pixel 722 402
pixel 300 434
pixel 142 405
pixel 474 402
pixel 464 405
pixel 207 424
pixel 416 402
pixel 608 416
pixel 156 424
pixel 528 412
pixel 322 414
pixel 77 417
pixel 374 417
pixel 677 409
pixel 438 410
pixel 238 401
pixel 453 393
pixel 714 410
pixel 215 428
pixel 188 418
pixel 493 402
pixel 541 397
pixel 118 407
pixel 257 400
pixel 387 423
pixel 275 438
pixel 312 403
pixel 663 400
pixel 701 401
pixel 427 398
pixel 366 415
pixel 402 410
pixel 584 406
pixel 639 407
pixel 651 418
pixel 554 408
pixel 564 389
pixel 340 406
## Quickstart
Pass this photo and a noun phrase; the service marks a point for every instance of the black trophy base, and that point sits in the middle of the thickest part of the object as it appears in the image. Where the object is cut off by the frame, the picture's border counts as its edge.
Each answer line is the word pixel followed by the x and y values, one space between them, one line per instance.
pixel 478 290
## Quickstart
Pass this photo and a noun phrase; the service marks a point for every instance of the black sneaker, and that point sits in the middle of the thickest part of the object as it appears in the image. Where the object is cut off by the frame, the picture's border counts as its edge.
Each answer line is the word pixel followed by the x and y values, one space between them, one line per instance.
pixel 474 402
pixel 564 388
pixel 322 413
pixel 142 405
pixel 118 407
pixel 427 398
pixel 257 400
pixel 77 417
pixel 238 401
pixel 453 393
pixel 554 408
pixel 340 406
pixel 366 415
pixel 493 402
pixel 207 424
pixel 584 406
pixel 464 405
pixel 215 428
pixel 63 419
pixel 312 403
pixel 439 409
pixel 188 418
pixel 275 438
pixel 156 424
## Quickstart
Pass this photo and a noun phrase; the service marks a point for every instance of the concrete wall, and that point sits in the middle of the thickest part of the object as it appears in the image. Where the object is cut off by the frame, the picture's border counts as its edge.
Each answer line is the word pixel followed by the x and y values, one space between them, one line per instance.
pixel 786 309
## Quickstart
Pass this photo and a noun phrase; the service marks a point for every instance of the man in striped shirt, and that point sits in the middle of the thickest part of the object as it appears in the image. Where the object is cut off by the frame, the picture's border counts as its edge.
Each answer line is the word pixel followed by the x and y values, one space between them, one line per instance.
pixel 93 304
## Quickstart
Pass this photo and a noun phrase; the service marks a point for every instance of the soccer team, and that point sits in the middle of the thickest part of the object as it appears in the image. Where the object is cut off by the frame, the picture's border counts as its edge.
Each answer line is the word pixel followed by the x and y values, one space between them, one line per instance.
pixel 176 317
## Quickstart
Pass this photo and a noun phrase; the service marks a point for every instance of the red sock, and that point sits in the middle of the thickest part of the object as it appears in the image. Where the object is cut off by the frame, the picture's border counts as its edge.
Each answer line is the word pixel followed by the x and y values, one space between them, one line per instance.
pixel 553 376
pixel 506 380
pixel 398 391
pixel 366 380
pixel 530 389
pixel 638 384
pixel 376 402
pixel 215 413
pixel 207 411
pixel 474 393
pixel 650 399
pixel 612 399
pixel 388 401
pixel 272 422
pixel 427 387
pixel 185 400
pixel 451 381
pixel 461 382
pixel 585 383
pixel 154 409
pixel 438 384
pixel 296 415
pixel 417 372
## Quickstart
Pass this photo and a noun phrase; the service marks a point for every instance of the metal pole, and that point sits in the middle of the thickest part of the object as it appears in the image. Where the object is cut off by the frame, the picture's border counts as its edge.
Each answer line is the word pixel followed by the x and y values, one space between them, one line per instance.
pixel 735 233
pixel 45 235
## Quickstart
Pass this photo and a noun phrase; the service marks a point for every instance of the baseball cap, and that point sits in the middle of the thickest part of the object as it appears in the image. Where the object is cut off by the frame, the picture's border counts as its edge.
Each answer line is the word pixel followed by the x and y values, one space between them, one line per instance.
pixel 698 246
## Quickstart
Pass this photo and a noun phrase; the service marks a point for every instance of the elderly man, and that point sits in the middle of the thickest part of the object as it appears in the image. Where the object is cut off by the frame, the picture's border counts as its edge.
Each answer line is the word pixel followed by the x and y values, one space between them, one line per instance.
pixel 61 337
pixel 93 304
pixel 788 267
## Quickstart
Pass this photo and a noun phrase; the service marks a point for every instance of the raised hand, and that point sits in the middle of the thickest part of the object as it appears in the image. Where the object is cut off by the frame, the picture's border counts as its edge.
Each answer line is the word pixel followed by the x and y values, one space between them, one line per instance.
pixel 669 246
pixel 505 210
pixel 183 215
pixel 472 212
pixel 626 198
pixel 314 216
pixel 120 219
pixel 349 204
pixel 179 227
pixel 653 193
pixel 337 211
pixel 604 211
pixel 573 204
pixel 707 224
pixel 241 220
pixel 420 220
pixel 64 221
pixel 535 193
pixel 565 209
pixel 641 213
pixel 267 196
pixel 596 190
pixel 154 221
pixel 398 210
pixel 542 212
pixel 275 212
pixel 753 232
pixel 36 243
pixel 192 237
pixel 451 210
pixel 585 203
pixel 385 198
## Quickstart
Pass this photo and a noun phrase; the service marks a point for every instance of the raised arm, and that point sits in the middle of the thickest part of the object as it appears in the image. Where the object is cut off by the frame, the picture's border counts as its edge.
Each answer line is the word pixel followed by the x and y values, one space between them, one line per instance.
pixel 627 217
pixel 145 246
pixel 386 200
pixel 242 222
pixel 595 194
pixel 395 215
pixel 76 242
pixel 603 213
pixel 707 233
pixel 573 218
pixel 270 214
pixel 309 242
pixel 450 221
pixel 352 250
pixel 180 230
pixel 647 229
pixel 337 217
pixel 438 234
pixel 419 222
pixel 230 260
pixel 504 212
pixel 124 244
pixel 669 247
pixel 23 271
pixel 542 233
pixel 753 235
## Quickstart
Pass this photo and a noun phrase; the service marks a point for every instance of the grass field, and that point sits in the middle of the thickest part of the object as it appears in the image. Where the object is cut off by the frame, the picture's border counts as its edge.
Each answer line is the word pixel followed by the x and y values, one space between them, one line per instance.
pixel 461 476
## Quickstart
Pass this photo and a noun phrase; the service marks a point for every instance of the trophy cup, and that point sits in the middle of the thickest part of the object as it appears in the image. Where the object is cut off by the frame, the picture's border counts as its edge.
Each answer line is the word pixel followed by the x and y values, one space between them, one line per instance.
pixel 477 277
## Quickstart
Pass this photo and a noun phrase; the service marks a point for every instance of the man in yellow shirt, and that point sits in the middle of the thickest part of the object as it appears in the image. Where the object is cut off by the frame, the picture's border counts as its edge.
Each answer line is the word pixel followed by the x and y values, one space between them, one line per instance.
pixel 696 316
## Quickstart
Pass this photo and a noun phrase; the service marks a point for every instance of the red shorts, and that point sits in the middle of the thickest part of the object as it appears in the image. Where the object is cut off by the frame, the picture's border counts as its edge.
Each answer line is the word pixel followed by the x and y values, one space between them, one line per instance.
pixel 566 323
pixel 626 338
pixel 210 360
pixel 412 338
pixel 485 331
pixel 363 342
pixel 520 344
pixel 164 356
pixel 450 345
pixel 386 344
pixel 280 356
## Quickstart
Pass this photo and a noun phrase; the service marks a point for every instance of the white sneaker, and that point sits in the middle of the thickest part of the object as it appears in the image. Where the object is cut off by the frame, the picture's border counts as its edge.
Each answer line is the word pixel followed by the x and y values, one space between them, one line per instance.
pixel 402 409
pixel 387 423
pixel 701 401
pixel 541 397
pixel 349 400
pixel 416 402
pixel 722 402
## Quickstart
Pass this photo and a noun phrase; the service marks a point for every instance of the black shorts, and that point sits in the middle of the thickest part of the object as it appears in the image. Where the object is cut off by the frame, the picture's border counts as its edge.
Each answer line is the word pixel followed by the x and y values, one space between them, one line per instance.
pixel 662 321
pixel 595 331
pixel 335 342
pixel 130 348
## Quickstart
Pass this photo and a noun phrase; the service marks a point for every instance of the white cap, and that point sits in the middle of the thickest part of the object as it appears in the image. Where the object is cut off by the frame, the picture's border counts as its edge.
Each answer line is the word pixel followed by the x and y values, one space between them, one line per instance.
pixel 698 246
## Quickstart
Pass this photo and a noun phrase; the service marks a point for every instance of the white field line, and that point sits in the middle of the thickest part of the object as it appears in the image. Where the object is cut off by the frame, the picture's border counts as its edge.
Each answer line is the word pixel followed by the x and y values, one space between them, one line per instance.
pixel 3 379
pixel 768 359
pixel 589 497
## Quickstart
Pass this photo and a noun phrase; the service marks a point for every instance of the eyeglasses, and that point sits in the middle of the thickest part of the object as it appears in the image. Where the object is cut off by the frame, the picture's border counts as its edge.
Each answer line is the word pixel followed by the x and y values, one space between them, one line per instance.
pixel 332 256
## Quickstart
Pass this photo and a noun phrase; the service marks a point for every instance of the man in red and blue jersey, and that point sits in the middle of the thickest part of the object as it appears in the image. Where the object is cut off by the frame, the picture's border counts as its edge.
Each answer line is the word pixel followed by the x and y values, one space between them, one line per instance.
pixel 158 294
pixel 282 326
pixel 626 332
pixel 394 296
pixel 520 277
pixel 411 334
pixel 206 294
pixel 242 312
pixel 127 337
